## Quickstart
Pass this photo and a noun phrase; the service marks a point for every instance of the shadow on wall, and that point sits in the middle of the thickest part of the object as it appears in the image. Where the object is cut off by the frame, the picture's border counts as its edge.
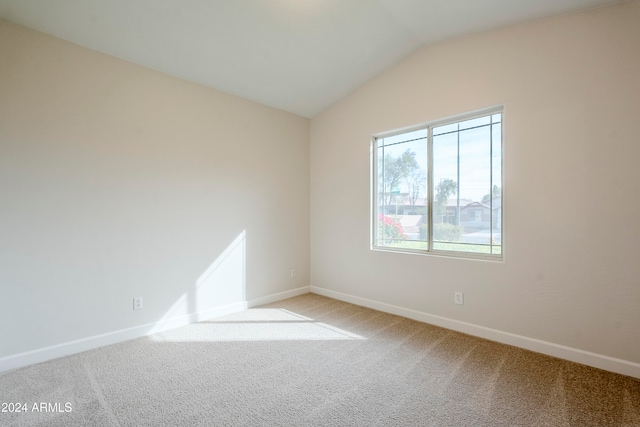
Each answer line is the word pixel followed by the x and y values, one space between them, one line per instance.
pixel 219 289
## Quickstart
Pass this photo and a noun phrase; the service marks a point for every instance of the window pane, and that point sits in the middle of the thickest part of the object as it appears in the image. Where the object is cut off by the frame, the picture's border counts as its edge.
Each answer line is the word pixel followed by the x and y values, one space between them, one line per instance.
pixel 475 188
pixel 445 188
pixel 475 164
pixel 496 200
pixel 402 191
pixel 462 176
pixel 445 129
pixel 406 137
pixel 467 124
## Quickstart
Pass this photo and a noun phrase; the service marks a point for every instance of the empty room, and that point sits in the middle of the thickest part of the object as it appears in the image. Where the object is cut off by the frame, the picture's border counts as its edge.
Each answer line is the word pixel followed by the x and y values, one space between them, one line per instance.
pixel 319 213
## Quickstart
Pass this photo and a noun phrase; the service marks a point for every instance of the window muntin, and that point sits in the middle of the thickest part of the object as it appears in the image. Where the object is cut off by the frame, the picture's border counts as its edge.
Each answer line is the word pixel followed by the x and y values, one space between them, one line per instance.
pixel 438 188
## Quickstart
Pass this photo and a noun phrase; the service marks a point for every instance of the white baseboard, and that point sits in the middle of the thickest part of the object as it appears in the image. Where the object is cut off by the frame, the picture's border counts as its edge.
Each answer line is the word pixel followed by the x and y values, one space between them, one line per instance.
pixel 278 297
pixel 595 360
pixel 600 361
pixel 72 347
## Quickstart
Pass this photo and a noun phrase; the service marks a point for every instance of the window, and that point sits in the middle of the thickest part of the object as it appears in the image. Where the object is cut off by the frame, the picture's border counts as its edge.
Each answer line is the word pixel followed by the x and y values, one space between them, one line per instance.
pixel 447 176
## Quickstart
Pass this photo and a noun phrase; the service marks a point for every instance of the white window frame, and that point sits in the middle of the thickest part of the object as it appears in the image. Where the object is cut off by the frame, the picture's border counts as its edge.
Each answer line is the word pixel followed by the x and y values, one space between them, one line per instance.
pixel 430 196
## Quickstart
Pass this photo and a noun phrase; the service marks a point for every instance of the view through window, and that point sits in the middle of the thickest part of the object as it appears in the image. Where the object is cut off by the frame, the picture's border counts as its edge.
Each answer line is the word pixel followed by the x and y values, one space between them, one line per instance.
pixel 438 188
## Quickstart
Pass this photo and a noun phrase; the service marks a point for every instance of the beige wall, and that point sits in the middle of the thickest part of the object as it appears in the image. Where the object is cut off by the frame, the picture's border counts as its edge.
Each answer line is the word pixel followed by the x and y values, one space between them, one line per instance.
pixel 117 181
pixel 570 87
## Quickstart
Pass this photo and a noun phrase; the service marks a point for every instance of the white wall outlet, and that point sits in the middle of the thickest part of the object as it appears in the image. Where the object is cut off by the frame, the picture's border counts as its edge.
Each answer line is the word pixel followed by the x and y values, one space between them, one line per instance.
pixel 137 303
pixel 458 298
pixel 293 273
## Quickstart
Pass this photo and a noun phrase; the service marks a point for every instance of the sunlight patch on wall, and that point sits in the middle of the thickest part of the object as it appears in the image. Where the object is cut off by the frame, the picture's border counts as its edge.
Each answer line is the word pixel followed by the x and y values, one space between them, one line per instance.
pixel 179 310
pixel 224 281
pixel 220 289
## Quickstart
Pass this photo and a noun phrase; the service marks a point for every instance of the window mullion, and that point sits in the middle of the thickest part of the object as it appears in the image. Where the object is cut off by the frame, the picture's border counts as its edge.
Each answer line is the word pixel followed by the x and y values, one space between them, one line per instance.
pixel 491 186
pixel 376 192
pixel 384 198
pixel 430 189
pixel 458 179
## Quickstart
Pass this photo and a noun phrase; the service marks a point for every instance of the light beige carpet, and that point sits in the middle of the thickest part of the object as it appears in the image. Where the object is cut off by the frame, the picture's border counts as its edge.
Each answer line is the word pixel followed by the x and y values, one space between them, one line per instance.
pixel 314 361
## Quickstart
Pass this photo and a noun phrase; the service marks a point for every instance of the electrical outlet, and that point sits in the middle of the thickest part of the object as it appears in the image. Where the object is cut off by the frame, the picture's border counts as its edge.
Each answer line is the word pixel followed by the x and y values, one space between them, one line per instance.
pixel 137 303
pixel 458 298
pixel 293 273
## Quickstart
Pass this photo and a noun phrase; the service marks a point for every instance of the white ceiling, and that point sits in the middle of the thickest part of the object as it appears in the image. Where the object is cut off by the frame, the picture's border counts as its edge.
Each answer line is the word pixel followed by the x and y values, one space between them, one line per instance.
pixel 296 55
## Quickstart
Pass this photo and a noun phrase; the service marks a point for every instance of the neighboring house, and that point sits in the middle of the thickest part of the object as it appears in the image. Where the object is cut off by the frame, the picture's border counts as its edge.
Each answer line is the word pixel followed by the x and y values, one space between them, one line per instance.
pixel 476 215
pixel 497 212
pixel 473 215
pixel 451 209
pixel 401 205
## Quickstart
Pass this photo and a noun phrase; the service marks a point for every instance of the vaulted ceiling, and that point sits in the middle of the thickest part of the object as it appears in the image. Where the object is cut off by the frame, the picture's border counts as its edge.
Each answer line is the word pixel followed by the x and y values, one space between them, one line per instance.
pixel 296 55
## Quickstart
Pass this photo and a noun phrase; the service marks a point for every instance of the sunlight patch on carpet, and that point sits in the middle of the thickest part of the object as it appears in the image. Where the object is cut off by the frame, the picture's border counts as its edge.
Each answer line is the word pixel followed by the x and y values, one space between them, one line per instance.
pixel 257 325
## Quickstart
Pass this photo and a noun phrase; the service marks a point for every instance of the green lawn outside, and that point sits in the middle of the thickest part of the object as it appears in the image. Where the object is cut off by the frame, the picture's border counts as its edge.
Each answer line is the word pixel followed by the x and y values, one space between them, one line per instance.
pixel 448 246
